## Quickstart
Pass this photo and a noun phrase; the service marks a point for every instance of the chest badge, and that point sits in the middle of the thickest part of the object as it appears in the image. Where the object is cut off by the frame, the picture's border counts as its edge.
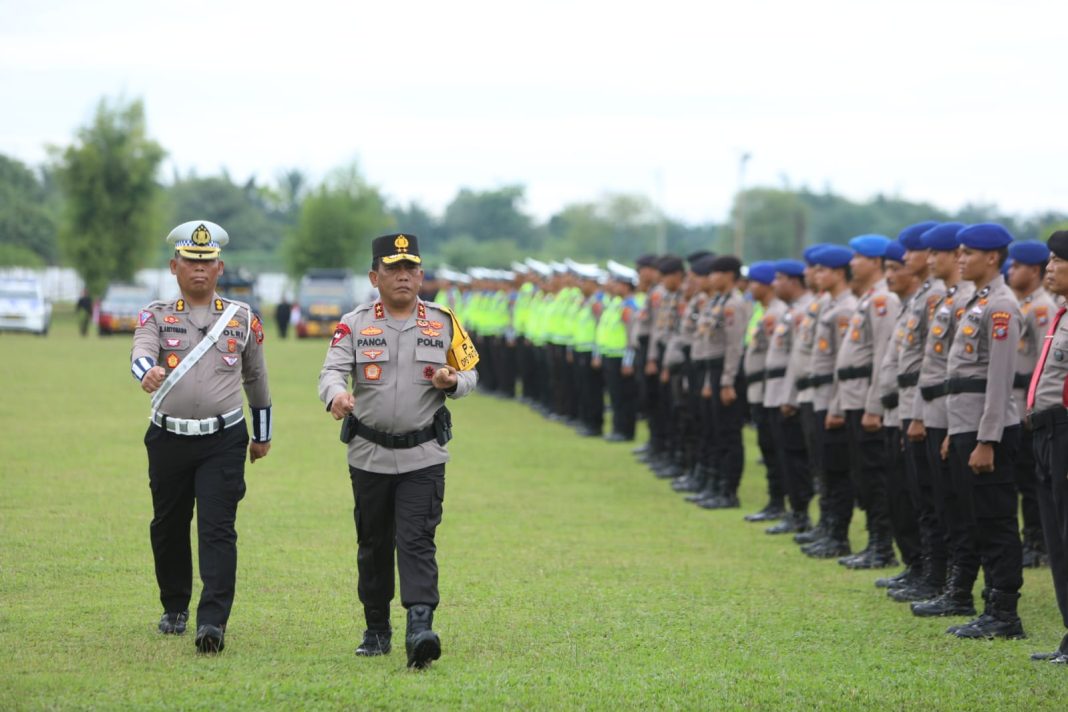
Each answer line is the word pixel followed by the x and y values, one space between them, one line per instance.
pixel 173 343
pixel 428 372
pixel 372 354
pixel 431 332
pixel 231 345
pixel 173 360
pixel 371 331
pixel 372 372
pixel 171 319
pixel 229 360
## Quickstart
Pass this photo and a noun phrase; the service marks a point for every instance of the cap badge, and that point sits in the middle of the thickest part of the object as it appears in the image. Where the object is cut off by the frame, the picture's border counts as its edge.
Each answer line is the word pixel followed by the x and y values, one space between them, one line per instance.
pixel 401 243
pixel 201 236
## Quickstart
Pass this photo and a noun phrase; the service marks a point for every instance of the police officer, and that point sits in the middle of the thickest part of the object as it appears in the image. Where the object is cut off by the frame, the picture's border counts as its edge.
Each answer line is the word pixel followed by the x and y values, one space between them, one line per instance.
pixel 665 304
pixel 1046 403
pixel 194 354
pixel 613 357
pixel 1028 269
pixel 405 356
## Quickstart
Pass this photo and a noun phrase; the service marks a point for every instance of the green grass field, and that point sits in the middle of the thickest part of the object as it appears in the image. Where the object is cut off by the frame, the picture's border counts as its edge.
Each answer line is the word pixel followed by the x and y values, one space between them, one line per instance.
pixel 570 577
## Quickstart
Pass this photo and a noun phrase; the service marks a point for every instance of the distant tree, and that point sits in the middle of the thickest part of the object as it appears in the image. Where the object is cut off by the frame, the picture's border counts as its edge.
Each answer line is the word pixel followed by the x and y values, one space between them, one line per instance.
pixel 417 219
pixel 775 222
pixel 490 215
pixel 465 251
pixel 618 226
pixel 108 177
pixel 28 216
pixel 336 224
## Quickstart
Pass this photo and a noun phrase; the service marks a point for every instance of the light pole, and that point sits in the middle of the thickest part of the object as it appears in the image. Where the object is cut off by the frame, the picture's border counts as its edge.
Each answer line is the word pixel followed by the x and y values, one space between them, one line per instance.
pixel 739 222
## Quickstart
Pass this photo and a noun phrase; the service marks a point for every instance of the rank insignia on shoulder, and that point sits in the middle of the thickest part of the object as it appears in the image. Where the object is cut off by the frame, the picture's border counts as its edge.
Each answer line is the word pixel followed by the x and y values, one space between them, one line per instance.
pixel 179 305
pixel 145 316
pixel 171 319
pixel 219 305
pixel 229 360
pixel 380 311
pixel 420 311
pixel 372 372
pixel 370 331
pixel 340 332
pixel 173 360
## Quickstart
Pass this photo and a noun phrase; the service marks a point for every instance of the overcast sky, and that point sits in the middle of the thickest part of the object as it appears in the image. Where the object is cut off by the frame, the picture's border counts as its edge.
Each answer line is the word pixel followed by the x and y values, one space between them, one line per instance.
pixel 949 101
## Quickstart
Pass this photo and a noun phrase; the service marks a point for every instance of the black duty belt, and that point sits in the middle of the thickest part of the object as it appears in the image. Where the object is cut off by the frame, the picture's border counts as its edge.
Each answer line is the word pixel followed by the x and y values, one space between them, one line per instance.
pixel 716 362
pixel 821 380
pixel 929 393
pixel 907 380
pixel 1021 380
pixel 803 383
pixel 1048 418
pixel 757 377
pixel 965 385
pixel 440 429
pixel 775 373
pixel 851 372
pixel 890 400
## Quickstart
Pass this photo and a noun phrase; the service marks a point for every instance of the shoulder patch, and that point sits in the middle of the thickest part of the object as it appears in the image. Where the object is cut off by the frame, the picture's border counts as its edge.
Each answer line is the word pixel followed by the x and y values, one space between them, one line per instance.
pixel 340 332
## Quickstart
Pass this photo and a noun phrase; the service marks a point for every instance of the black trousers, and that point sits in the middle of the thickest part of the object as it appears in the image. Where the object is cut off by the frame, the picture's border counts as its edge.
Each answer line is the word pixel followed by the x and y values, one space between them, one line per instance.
pixel 788 436
pixel 920 481
pixel 838 487
pixel 867 451
pixel 622 394
pixel 397 513
pixel 644 383
pixel 654 394
pixel 771 451
pixel 728 449
pixel 590 382
pixel 984 513
pixel 208 471
pixel 505 360
pixel 1051 463
pixel 1024 473
pixel 903 520
pixel 543 388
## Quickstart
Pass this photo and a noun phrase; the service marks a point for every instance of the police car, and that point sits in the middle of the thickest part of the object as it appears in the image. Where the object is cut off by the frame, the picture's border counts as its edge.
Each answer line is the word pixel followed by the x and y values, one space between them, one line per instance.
pixel 23 306
pixel 120 307
pixel 325 295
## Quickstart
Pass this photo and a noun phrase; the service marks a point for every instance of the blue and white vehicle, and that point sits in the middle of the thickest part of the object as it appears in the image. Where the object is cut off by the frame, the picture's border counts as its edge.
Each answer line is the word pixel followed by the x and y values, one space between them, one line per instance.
pixel 23 306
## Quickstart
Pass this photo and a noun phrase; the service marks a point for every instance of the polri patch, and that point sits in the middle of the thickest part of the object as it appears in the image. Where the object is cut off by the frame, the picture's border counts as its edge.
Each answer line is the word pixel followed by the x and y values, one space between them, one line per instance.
pixel 257 329
pixel 428 372
pixel 880 305
pixel 231 345
pixel 1001 324
pixel 372 372
pixel 173 360
pixel 340 332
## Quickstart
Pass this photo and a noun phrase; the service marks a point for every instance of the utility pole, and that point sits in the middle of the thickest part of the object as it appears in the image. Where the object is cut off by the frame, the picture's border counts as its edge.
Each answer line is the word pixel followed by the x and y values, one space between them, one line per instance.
pixel 661 222
pixel 739 222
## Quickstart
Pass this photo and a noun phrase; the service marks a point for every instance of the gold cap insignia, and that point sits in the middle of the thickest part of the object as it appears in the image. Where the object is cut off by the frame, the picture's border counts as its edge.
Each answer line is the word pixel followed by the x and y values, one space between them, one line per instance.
pixel 401 243
pixel 201 236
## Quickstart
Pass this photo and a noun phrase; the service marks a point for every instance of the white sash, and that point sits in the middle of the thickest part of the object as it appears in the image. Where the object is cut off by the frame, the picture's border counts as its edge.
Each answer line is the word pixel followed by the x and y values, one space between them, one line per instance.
pixel 199 350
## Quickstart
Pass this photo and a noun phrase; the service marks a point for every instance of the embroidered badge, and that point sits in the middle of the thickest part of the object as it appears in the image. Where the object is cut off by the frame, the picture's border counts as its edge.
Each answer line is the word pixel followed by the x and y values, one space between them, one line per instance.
pixel 431 332
pixel 937 330
pixel 372 372
pixel 854 335
pixel 436 325
pixel 173 343
pixel 939 347
pixel 179 305
pixel 380 312
pixel 219 305
pixel 1001 325
pixel 231 345
pixel 173 360
pixel 230 360
pixel 880 305
pixel 340 332
pixel 145 316
pixel 824 345
pixel 232 323
pixel 967 329
pixel 969 348
pixel 423 323
pixel 1041 316
pixel 171 319
pixel 959 313
pixel 370 331
pixel 372 354
pixel 257 329
pixel 420 311
pixel 428 372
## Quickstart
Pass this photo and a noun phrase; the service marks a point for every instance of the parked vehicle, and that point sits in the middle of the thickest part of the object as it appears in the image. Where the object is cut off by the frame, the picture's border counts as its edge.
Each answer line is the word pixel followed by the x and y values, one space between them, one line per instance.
pixel 23 306
pixel 324 296
pixel 120 307
pixel 239 285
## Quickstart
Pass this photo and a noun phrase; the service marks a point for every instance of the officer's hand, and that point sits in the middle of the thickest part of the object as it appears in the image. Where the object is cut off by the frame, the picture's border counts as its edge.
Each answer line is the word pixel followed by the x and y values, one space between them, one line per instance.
pixel 153 379
pixel 833 422
pixel 788 410
pixel 627 371
pixel 727 395
pixel 342 405
pixel 944 450
pixel 982 459
pixel 595 363
pixel 871 422
pixel 706 392
pixel 665 375
pixel 650 368
pixel 444 378
pixel 570 357
pixel 917 433
pixel 257 451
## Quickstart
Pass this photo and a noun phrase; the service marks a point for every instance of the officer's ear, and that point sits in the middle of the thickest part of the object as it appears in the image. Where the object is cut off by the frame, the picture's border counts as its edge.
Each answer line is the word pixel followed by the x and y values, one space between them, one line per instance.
pixel 174 265
pixel 221 265
pixel 373 276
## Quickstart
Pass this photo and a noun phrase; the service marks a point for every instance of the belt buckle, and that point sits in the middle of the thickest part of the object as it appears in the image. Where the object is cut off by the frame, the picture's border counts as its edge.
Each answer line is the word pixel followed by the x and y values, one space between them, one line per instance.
pixel 194 427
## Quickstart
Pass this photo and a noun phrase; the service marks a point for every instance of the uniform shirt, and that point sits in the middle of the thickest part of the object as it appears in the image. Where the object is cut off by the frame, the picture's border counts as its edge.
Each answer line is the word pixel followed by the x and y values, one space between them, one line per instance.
pixel 869 332
pixel 943 317
pixel 756 351
pixel 801 352
pixel 681 340
pixel 911 339
pixel 665 314
pixel 726 319
pixel 643 324
pixel 783 347
pixel 985 348
pixel 886 372
pixel 830 333
pixel 168 332
pixel 391 363
pixel 1053 379
pixel 1036 310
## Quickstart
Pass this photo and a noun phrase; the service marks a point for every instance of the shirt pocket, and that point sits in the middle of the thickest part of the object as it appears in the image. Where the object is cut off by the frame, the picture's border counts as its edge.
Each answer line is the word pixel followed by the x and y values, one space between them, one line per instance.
pixel 373 366
pixel 968 333
pixel 428 359
pixel 1058 352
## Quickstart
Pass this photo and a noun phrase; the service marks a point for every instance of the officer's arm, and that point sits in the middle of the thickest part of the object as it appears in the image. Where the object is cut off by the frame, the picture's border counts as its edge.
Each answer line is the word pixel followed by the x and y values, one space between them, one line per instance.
pixel 463 357
pixel 1003 336
pixel 254 380
pixel 145 348
pixel 338 365
pixel 882 328
pixel 735 326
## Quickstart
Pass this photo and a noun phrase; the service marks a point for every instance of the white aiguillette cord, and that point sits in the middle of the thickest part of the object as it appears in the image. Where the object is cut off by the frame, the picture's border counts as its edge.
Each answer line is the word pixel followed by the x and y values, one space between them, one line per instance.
pixel 199 350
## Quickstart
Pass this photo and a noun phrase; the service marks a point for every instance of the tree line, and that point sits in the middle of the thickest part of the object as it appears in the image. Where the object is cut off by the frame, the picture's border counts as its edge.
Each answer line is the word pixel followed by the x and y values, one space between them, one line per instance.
pixel 101 206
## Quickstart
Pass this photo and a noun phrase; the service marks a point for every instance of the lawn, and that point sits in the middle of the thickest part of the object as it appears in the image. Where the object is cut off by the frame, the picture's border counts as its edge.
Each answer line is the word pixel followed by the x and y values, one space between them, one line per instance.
pixel 570 577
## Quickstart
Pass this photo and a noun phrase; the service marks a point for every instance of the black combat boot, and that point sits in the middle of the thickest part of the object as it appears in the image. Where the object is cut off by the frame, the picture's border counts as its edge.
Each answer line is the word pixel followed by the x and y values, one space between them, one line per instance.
pixel 422 643
pixel 693 481
pixel 377 638
pixel 771 512
pixel 827 548
pixel 999 620
pixel 792 523
pixel 929 585
pixel 1060 652
pixel 910 575
pixel 879 554
pixel 815 533
pixel 174 623
pixel 955 600
pixel 709 489
pixel 1034 555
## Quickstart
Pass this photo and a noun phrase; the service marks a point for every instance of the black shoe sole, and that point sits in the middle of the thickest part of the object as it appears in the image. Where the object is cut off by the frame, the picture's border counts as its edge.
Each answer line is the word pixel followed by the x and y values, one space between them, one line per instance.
pixel 210 644
pixel 425 652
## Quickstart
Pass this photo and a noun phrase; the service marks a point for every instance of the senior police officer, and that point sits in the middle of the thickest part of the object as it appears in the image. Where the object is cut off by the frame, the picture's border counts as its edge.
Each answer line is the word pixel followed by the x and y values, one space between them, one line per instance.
pixel 405 356
pixel 194 354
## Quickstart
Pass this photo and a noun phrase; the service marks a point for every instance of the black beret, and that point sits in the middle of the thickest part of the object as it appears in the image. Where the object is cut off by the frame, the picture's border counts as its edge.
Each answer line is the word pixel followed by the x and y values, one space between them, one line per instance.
pixel 1058 244
pixel 694 256
pixel 669 264
pixel 703 266
pixel 727 263
pixel 646 261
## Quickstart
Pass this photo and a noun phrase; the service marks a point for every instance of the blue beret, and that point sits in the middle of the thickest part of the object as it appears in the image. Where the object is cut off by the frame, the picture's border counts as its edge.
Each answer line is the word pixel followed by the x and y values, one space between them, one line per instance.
pixel 793 268
pixel 985 236
pixel 833 256
pixel 1029 252
pixel 763 272
pixel 870 245
pixel 810 250
pixel 1005 267
pixel 895 251
pixel 910 236
pixel 942 237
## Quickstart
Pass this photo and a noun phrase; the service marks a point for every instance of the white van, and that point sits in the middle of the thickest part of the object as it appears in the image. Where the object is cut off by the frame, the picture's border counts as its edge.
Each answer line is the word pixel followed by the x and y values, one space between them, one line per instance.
pixel 23 306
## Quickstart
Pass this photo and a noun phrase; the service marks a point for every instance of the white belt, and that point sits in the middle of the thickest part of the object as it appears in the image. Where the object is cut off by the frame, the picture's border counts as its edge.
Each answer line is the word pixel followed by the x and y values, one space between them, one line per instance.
pixel 192 426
